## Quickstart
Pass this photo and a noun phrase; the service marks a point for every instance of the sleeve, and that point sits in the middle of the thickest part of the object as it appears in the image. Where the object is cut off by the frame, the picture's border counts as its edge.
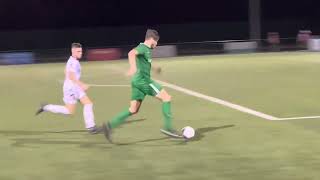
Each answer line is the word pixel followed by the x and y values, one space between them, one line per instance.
pixel 71 67
pixel 140 49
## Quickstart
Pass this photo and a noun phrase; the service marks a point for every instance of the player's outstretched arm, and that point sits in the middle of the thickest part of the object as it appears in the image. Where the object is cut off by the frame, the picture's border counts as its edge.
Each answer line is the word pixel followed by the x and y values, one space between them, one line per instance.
pixel 132 62
pixel 73 78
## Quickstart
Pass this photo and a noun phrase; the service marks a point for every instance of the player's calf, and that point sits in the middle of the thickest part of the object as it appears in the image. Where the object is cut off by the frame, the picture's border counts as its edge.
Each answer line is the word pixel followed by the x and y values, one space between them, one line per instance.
pixel 53 109
pixel 71 108
pixel 88 114
pixel 121 118
pixel 133 110
pixel 166 110
pixel 134 107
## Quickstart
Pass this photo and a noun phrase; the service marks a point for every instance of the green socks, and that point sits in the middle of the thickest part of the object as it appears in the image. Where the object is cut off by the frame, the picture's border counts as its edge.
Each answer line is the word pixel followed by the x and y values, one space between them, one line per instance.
pixel 166 110
pixel 120 118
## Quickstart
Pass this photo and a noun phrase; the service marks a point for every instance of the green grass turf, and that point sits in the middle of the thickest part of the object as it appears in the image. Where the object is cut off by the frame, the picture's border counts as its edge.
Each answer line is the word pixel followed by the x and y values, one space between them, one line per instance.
pixel 229 144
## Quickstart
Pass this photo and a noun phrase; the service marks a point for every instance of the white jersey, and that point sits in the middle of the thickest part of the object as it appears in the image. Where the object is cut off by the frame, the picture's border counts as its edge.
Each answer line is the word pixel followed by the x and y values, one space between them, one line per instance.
pixel 74 66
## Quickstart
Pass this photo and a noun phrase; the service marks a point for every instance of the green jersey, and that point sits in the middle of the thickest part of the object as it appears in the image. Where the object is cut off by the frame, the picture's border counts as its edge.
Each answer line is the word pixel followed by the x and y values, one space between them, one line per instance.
pixel 141 83
pixel 143 62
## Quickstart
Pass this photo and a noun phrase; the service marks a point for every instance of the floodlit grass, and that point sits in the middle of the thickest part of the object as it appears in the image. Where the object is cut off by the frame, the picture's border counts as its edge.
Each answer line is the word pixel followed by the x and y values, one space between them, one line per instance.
pixel 229 144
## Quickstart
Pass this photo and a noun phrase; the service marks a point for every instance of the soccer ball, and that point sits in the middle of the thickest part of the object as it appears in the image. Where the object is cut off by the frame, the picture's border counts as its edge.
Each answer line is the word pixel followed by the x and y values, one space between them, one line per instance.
pixel 188 132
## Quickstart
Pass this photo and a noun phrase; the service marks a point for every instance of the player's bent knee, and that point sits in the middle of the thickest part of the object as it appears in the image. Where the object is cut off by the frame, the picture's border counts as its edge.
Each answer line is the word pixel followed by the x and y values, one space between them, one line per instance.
pixel 71 108
pixel 169 98
pixel 71 111
pixel 133 110
pixel 85 100
pixel 134 107
pixel 166 98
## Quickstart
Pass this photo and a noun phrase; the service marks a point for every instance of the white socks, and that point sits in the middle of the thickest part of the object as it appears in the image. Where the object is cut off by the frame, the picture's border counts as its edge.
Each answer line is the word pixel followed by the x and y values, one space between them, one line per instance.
pixel 56 109
pixel 88 116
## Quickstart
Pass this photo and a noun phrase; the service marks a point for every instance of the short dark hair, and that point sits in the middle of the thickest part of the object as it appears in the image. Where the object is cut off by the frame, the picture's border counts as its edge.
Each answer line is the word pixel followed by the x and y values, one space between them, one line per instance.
pixel 151 33
pixel 76 45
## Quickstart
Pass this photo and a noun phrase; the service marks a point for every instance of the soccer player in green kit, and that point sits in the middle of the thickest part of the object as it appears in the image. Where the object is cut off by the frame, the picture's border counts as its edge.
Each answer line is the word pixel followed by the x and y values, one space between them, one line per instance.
pixel 140 59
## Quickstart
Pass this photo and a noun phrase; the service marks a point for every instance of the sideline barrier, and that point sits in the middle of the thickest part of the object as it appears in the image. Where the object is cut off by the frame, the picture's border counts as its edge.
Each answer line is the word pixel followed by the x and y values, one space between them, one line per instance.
pixel 240 47
pixel 12 58
pixel 103 54
pixel 163 50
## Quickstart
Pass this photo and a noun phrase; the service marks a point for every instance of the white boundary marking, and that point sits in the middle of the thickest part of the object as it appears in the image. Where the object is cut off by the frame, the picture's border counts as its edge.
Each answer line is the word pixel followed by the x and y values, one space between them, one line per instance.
pixel 219 101
pixel 297 118
pixel 214 100
pixel 231 105
pixel 103 85
pixel 108 85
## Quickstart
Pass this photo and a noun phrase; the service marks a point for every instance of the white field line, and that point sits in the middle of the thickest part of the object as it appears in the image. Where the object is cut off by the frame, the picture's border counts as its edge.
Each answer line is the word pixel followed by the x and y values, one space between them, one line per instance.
pixel 108 85
pixel 233 106
pixel 216 100
pixel 213 99
pixel 102 85
pixel 297 118
pixel 219 101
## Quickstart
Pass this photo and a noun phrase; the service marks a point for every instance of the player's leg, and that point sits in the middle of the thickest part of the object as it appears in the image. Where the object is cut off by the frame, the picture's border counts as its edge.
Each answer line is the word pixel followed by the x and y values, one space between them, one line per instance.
pixel 157 91
pixel 70 100
pixel 68 109
pixel 88 114
pixel 71 108
pixel 137 97
pixel 59 109
pixel 168 129
pixel 166 108
pixel 135 104
pixel 161 94
pixel 122 116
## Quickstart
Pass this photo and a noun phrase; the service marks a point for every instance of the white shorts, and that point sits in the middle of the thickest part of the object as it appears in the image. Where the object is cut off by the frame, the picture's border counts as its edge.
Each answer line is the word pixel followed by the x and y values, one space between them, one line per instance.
pixel 71 94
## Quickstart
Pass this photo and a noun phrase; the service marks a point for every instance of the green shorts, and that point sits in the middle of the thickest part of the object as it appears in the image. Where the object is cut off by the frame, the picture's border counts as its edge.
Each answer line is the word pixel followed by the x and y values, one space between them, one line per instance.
pixel 141 88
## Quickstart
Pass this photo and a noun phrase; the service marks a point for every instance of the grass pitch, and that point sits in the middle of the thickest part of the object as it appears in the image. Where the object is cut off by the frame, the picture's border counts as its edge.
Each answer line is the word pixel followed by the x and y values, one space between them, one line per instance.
pixel 229 144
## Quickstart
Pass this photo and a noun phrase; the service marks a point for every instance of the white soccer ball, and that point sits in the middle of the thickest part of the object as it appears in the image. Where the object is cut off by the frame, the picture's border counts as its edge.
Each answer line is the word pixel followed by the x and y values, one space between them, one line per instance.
pixel 188 132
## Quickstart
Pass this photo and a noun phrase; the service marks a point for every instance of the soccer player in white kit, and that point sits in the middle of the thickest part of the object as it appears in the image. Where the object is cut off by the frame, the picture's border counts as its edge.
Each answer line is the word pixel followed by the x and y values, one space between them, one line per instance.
pixel 74 90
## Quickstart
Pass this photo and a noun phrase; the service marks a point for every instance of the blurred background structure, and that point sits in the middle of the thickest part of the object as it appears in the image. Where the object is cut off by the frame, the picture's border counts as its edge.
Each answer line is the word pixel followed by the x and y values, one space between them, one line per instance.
pixel 38 31
pixel 256 115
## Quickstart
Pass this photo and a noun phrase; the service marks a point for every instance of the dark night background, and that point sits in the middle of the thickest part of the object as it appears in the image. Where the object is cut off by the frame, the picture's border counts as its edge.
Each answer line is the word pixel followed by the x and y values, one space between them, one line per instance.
pixel 119 22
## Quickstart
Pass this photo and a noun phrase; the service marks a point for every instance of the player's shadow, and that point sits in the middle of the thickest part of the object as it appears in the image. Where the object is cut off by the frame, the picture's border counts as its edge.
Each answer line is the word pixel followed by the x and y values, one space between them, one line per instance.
pixel 129 122
pixel 34 138
pixel 142 141
pixel 33 142
pixel 24 138
pixel 200 132
pixel 26 133
pixel 135 121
